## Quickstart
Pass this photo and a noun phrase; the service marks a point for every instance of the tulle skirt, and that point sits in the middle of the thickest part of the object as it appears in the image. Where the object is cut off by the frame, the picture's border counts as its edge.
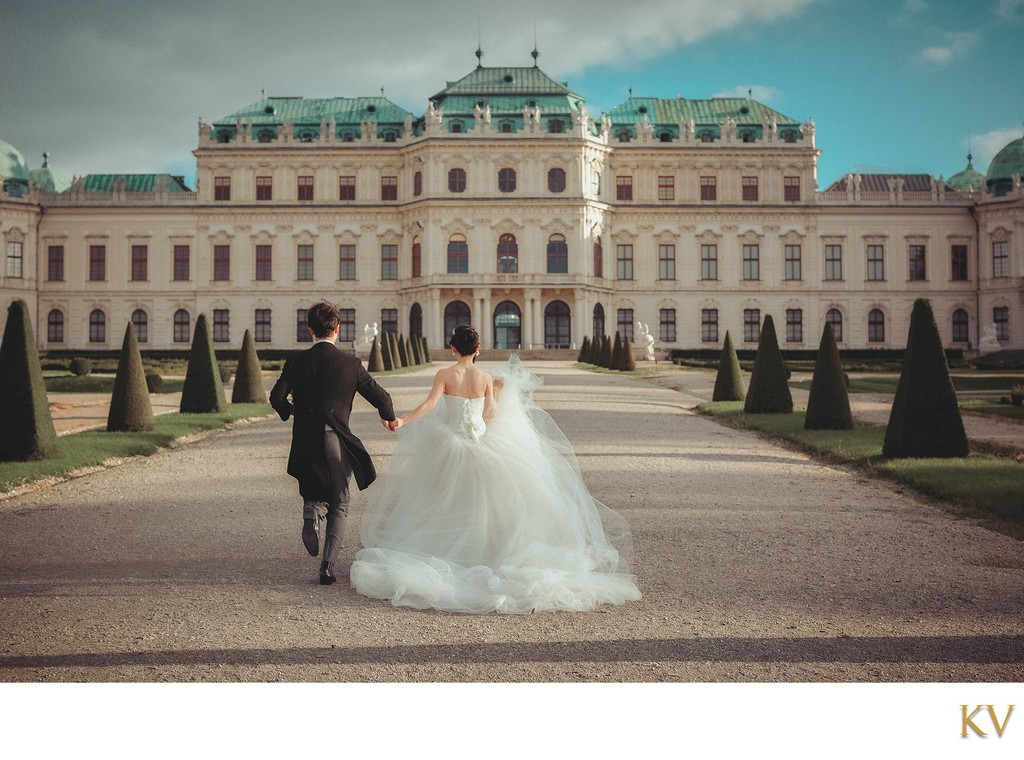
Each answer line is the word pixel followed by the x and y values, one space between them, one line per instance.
pixel 498 520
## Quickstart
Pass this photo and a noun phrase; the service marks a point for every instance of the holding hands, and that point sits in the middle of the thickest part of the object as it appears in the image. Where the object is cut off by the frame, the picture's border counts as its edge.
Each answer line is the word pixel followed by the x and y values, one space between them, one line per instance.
pixel 392 425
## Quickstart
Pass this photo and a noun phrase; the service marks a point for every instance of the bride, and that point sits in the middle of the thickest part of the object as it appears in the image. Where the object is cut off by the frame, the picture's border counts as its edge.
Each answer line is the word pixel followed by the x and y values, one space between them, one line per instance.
pixel 483 507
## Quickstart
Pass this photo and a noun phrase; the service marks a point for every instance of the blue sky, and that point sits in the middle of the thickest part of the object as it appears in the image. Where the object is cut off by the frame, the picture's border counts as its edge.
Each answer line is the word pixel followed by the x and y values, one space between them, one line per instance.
pixel 904 85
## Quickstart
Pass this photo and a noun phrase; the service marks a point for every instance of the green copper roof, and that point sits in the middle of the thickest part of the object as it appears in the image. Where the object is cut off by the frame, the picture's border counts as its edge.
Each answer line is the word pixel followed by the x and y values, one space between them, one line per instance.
pixel 516 81
pixel 272 111
pixel 135 183
pixel 12 163
pixel 967 181
pixel 1008 161
pixel 703 112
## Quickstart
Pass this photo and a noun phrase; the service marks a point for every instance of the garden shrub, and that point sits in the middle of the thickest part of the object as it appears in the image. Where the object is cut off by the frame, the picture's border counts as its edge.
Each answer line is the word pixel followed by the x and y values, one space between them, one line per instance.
pixel 376 360
pixel 154 383
pixel 768 392
pixel 627 363
pixel 828 405
pixel 80 367
pixel 28 432
pixel 130 410
pixel 203 391
pixel 248 388
pixel 729 380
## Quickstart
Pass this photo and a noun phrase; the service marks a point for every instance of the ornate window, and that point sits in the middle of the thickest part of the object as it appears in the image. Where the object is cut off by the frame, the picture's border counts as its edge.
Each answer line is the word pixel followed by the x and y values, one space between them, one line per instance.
pixel 264 188
pixel 793 262
pixel 556 126
pixel 140 263
pixel 876 326
pixel 222 263
pixel 598 321
pixel 709 325
pixel 507 180
pixel 666 188
pixel 667 325
pixel 456 180
pixel 751 325
pixel 709 262
pixel 140 320
pixel 222 188
pixel 182 325
pixel 55 326
pixel 958 261
pixel 304 260
pixel 833 262
pixel 791 188
pixel 794 325
pixel 751 262
pixel 557 325
pixel 1001 317
pixel 709 188
pixel 876 262
pixel 389 262
pixel 264 262
pixel 558 255
pixel 834 317
pixel 624 262
pixel 262 333
pixel 417 258
pixel 415 320
pixel 417 184
pixel 221 326
pixel 389 188
pixel 917 262
pixel 623 188
pixel 1001 258
pixel 347 325
pixel 346 188
pixel 508 254
pixel 55 263
pixel 598 258
pixel 960 326
pixel 304 191
pixel 181 262
pixel 302 334
pixel 625 323
pixel 455 313
pixel 556 180
pixel 750 189
pixel 458 255
pixel 97 263
pixel 346 262
pixel 666 261
pixel 97 326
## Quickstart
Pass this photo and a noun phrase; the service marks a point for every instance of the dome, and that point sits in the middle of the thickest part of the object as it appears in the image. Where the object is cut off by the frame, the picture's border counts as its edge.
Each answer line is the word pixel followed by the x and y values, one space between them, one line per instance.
pixel 1008 161
pixel 967 181
pixel 46 178
pixel 12 163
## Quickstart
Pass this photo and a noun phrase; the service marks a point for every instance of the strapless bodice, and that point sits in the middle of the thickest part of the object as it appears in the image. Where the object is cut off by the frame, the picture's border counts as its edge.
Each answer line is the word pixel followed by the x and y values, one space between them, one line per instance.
pixel 466 416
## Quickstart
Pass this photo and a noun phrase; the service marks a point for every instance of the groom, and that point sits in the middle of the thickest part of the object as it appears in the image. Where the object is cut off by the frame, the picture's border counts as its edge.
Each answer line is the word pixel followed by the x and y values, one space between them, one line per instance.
pixel 322 382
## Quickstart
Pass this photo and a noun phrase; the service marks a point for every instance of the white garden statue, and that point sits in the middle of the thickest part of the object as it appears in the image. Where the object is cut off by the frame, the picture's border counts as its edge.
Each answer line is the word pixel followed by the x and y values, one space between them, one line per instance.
pixel 989 341
pixel 646 340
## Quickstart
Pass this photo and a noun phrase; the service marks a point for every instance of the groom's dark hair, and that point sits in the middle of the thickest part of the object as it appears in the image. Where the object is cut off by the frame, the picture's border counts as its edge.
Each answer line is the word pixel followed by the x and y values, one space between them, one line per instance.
pixel 322 318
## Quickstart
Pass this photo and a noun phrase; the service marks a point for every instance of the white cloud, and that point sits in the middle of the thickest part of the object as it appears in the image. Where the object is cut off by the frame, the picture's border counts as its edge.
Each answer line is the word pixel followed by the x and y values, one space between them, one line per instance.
pixel 760 93
pixel 1010 10
pixel 985 146
pixel 956 45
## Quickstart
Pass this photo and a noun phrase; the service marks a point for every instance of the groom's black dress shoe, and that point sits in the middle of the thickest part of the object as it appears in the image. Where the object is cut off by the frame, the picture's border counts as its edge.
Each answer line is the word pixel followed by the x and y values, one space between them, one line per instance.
pixel 327 576
pixel 311 536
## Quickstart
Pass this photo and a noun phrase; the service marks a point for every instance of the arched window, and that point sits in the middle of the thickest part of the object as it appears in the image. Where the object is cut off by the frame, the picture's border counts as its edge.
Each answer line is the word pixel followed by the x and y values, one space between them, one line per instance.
pixel 507 180
pixel 456 313
pixel 835 318
pixel 505 127
pixel 960 326
pixel 556 126
pixel 598 321
pixel 417 183
pixel 556 180
pixel 508 254
pixel 417 258
pixel 508 321
pixel 558 255
pixel 97 326
pixel 458 255
pixel 557 328
pixel 598 258
pixel 55 326
pixel 416 321
pixel 265 136
pixel 876 326
pixel 181 326
pixel 706 135
pixel 456 126
pixel 141 321
pixel 456 180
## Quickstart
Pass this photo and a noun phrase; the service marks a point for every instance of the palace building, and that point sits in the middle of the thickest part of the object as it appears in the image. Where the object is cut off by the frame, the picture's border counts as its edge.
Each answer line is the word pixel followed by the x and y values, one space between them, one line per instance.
pixel 508 205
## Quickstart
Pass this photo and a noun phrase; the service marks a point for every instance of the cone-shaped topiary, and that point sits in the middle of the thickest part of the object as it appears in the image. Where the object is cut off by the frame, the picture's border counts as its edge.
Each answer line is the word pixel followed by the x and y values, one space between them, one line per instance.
pixel 426 350
pixel 828 405
pixel 385 352
pixel 729 380
pixel 584 356
pixel 417 351
pixel 376 360
pixel 409 354
pixel 27 425
pixel 396 359
pixel 605 359
pixel 402 355
pixel 616 356
pixel 203 391
pixel 249 388
pixel 925 419
pixel 130 410
pixel 769 389
pixel 627 363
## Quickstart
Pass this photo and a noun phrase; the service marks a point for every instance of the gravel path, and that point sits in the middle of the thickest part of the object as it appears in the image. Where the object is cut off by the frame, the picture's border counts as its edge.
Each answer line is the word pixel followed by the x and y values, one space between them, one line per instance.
pixel 756 564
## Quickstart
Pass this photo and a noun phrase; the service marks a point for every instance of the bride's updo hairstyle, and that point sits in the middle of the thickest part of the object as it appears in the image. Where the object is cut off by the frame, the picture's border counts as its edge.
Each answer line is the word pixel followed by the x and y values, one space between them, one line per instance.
pixel 465 340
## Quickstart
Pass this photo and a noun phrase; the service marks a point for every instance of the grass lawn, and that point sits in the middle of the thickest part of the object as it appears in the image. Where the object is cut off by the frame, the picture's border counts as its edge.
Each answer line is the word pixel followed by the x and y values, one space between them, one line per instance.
pixel 93 447
pixel 987 406
pixel 983 486
pixel 887 383
pixel 97 383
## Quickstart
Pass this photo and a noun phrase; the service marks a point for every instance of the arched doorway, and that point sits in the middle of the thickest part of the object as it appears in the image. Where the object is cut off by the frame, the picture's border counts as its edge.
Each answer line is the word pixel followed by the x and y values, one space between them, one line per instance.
pixel 598 321
pixel 456 313
pixel 416 321
pixel 508 321
pixel 557 325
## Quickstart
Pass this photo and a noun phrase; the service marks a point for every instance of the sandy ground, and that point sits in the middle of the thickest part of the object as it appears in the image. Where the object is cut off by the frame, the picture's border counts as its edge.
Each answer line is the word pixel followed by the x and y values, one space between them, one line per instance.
pixel 756 564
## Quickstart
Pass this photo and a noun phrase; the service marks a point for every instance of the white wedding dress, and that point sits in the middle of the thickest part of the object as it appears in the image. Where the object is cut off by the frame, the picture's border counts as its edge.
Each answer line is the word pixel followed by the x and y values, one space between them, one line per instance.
pixel 471 517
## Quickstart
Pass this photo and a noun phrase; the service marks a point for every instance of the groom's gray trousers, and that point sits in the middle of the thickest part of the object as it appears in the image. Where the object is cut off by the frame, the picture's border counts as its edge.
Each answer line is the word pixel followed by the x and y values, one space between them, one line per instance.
pixel 336 508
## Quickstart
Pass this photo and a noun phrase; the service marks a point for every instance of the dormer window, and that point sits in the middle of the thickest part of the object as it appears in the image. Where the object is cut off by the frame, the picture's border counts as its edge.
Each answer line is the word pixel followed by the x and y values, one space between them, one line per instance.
pixel 505 127
pixel 556 126
pixel 390 136
pixel 747 135
pixel 706 135
pixel 348 136
pixel 665 136
pixel 789 136
pixel 265 135
pixel 223 136
pixel 306 137
pixel 456 126
pixel 623 135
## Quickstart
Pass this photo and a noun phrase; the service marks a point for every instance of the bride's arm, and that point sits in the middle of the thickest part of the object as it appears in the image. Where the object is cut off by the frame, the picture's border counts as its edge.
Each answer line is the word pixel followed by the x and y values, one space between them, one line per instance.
pixel 432 398
pixel 490 399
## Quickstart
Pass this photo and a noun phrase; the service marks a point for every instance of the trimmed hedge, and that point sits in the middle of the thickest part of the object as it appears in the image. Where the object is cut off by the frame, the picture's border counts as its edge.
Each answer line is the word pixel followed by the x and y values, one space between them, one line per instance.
pixel 248 388
pixel 130 409
pixel 203 391
pixel 28 432
pixel 729 380
pixel 828 405
pixel 769 390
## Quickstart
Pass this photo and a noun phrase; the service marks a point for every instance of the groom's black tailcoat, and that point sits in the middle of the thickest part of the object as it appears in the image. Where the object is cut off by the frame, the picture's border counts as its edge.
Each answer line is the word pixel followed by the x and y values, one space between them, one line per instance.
pixel 322 382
